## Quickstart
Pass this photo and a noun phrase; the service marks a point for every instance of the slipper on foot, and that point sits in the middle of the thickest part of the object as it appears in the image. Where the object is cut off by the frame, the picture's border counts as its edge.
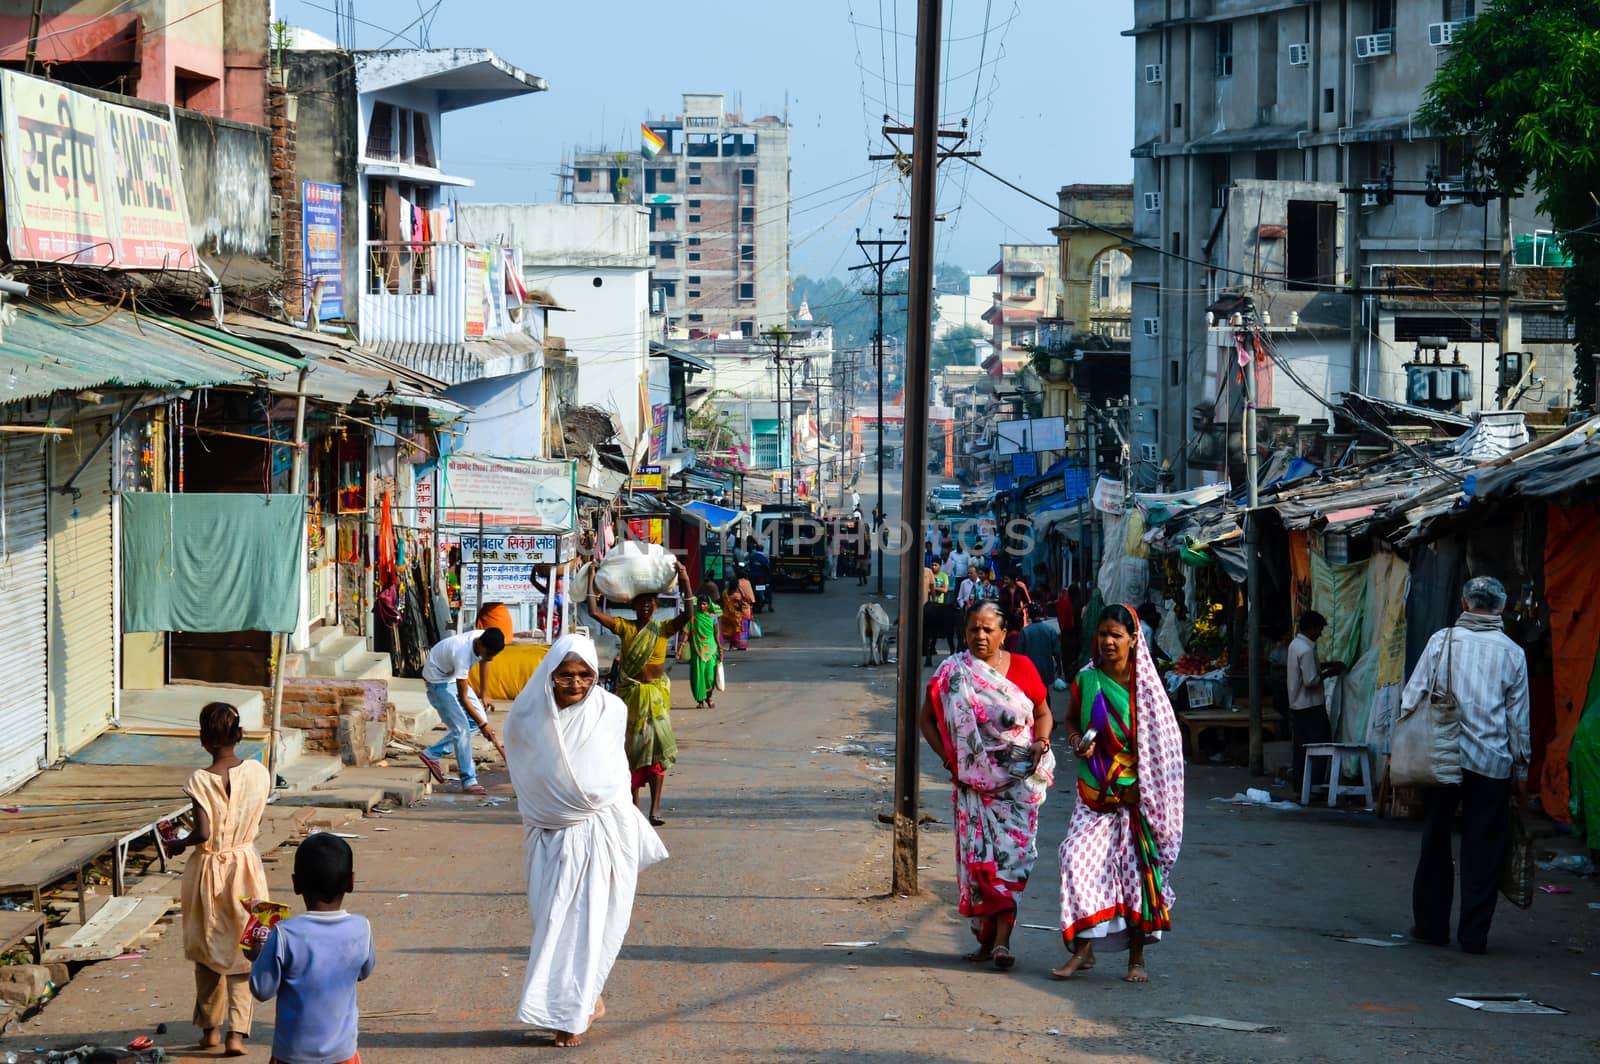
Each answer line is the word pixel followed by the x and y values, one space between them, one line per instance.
pixel 433 768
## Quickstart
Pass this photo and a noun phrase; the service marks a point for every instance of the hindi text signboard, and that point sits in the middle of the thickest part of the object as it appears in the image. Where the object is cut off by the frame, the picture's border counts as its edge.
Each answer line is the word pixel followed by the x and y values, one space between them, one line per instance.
pixel 525 550
pixel 509 492
pixel 322 217
pixel 90 183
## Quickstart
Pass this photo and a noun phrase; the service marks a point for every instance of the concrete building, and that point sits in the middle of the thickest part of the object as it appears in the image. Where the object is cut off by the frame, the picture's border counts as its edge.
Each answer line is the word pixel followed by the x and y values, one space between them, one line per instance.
pixel 718 194
pixel 1276 153
pixel 370 128
pixel 207 57
pixel 965 308
pixel 594 260
pixel 1027 289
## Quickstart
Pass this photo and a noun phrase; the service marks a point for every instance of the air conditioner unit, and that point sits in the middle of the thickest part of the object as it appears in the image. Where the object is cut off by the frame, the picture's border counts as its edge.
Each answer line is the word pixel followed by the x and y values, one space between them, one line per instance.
pixel 1152 74
pixel 1152 326
pixel 1452 193
pixel 1152 201
pixel 1374 45
pixel 1443 34
pixel 1300 55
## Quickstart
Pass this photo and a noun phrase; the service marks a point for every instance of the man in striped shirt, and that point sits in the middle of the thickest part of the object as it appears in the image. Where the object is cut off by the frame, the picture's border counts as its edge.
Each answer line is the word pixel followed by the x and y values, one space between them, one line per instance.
pixel 1488 675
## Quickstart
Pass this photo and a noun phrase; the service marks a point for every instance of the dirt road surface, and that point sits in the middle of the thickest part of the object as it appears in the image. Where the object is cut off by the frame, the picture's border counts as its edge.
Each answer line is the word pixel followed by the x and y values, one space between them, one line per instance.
pixel 778 855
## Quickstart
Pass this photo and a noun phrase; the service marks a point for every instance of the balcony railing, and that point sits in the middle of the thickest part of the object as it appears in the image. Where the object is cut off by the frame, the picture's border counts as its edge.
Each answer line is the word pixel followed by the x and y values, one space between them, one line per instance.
pixel 437 293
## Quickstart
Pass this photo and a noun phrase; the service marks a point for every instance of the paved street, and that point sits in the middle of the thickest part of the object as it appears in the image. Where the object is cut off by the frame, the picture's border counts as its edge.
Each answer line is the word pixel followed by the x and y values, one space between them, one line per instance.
pixel 777 851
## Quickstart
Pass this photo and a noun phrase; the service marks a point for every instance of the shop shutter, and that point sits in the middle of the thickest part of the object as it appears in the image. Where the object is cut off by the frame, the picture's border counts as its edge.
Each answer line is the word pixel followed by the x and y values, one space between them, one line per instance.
pixel 23 703
pixel 83 623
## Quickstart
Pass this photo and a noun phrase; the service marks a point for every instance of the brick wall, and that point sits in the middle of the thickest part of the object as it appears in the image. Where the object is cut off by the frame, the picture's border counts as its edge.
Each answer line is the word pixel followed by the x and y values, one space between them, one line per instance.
pixel 320 707
pixel 286 202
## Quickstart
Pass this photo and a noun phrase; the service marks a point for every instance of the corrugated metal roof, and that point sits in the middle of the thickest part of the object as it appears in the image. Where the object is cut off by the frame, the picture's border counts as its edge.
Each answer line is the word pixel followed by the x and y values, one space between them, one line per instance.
pixel 46 352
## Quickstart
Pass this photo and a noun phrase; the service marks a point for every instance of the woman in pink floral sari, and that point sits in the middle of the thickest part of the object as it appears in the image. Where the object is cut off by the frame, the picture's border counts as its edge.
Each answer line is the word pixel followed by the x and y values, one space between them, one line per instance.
pixel 987 716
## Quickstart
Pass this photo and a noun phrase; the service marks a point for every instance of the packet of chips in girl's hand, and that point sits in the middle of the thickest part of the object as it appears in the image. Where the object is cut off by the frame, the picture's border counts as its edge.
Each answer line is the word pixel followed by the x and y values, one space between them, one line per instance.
pixel 263 915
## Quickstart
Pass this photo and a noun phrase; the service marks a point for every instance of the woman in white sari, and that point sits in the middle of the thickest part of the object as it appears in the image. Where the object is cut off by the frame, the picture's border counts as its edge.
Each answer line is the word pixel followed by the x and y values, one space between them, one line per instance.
pixel 584 840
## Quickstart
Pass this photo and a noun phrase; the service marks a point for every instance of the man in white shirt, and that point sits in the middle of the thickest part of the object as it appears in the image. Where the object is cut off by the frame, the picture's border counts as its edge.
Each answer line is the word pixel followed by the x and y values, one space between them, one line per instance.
pixel 445 673
pixel 1308 711
pixel 1488 675
pixel 960 562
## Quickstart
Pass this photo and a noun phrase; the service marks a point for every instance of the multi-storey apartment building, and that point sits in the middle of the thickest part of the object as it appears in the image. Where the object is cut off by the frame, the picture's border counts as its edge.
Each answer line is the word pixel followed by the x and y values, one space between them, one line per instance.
pixel 1277 156
pixel 718 194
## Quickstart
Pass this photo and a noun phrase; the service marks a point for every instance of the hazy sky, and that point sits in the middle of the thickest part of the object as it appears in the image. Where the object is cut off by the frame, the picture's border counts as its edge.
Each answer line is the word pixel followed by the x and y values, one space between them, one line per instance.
pixel 1048 91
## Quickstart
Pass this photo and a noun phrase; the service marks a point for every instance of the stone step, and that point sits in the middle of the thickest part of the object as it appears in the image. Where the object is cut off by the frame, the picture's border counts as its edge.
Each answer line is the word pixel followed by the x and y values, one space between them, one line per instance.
pixel 362 798
pixel 401 785
pixel 308 771
pixel 178 705
pixel 340 656
pixel 414 717
pixel 371 667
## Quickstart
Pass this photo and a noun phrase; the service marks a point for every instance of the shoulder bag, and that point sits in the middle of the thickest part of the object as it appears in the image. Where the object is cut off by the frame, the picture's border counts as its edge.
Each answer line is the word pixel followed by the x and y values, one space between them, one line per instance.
pixel 1425 746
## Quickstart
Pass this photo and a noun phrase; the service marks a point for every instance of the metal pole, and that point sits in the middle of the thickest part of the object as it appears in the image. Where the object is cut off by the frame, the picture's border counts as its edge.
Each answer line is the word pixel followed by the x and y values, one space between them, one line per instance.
pixel 914 469
pixel 877 539
pixel 1253 566
pixel 1352 267
pixel 479 611
pixel 33 47
pixel 297 465
pixel 1504 390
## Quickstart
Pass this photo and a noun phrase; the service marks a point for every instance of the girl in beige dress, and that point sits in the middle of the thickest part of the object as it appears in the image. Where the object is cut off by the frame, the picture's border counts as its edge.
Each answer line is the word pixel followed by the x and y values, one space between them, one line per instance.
pixel 229 797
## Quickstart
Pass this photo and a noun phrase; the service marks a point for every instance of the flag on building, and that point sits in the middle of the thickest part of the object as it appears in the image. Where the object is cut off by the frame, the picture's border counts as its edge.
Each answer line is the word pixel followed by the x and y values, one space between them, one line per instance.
pixel 652 141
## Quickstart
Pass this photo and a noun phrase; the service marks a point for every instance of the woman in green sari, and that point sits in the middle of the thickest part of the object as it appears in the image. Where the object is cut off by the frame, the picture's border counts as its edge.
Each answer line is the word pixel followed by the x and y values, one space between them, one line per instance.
pixel 705 646
pixel 642 685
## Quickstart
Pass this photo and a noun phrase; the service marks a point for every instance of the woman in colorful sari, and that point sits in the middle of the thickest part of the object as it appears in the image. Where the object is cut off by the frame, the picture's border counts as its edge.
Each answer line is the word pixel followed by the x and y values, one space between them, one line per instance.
pixel 1116 861
pixel 735 626
pixel 987 716
pixel 642 684
pixel 705 646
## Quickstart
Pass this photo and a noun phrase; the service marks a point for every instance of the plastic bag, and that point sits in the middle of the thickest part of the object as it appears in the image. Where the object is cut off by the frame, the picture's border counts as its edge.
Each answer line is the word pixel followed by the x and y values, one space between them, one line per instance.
pixel 1059 684
pixel 263 915
pixel 635 569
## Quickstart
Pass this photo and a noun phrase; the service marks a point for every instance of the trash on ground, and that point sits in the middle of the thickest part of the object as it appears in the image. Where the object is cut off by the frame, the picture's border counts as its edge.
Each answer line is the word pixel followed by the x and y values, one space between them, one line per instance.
pixel 1508 1004
pixel 891 1015
pixel 1550 888
pixel 851 945
pixel 1221 1024
pixel 1040 927
pixel 1051 1030
pixel 1384 943
pixel 492 801
pixel 1576 863
pixel 1257 797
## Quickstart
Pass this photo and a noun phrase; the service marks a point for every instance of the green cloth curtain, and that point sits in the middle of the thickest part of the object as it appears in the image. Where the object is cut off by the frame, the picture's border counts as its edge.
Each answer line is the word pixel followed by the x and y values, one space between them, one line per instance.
pixel 1583 762
pixel 211 562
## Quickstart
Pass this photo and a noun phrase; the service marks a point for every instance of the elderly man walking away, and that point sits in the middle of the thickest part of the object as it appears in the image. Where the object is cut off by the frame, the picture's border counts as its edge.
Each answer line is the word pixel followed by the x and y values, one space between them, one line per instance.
pixel 1488 675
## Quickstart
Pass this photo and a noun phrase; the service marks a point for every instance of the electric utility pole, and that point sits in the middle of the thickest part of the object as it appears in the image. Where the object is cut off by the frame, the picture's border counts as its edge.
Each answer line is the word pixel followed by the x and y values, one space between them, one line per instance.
pixel 885 253
pixel 924 169
pixel 779 340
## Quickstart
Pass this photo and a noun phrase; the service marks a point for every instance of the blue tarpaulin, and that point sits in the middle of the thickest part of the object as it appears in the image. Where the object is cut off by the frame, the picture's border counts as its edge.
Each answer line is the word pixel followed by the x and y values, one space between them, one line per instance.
pixel 718 518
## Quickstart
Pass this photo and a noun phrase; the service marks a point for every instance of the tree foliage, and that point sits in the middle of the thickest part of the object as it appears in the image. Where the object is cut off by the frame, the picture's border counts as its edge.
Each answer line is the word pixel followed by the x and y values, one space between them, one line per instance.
pixel 954 348
pixel 1522 83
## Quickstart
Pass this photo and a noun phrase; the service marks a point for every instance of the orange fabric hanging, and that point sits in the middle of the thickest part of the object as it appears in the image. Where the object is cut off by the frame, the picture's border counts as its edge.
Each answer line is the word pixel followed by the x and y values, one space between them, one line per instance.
pixel 387 571
pixel 1300 571
pixel 1572 589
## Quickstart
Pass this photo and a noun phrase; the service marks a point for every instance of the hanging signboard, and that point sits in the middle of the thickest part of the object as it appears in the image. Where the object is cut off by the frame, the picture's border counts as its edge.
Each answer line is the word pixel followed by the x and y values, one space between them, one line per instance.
pixel 658 431
pixel 1031 434
pixel 1024 464
pixel 324 256
pixel 649 478
pixel 478 263
pixel 521 549
pixel 90 183
pixel 509 492
pixel 1108 496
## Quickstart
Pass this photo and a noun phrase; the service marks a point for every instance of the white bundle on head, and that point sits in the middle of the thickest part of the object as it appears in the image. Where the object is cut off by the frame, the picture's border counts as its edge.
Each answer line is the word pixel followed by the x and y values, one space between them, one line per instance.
pixel 633 569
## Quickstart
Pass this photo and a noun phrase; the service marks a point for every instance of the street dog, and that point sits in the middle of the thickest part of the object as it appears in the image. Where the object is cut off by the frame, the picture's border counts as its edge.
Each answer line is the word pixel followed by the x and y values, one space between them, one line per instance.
pixel 877 631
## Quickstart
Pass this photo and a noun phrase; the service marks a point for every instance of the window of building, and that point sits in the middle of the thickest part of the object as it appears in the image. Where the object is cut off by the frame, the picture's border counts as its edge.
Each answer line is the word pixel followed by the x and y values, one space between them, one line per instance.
pixel 747 291
pixel 1221 177
pixel 693 204
pixel 667 212
pixel 1021 335
pixel 1225 50
pixel 694 241
pixel 670 288
pixel 766 450
pixel 1452 158
pixel 696 317
pixel 649 181
pixel 747 253
pixel 585 175
pixel 1177 242
pixel 694 256
pixel 694 219
pixel 667 251
pixel 694 168
pixel 1025 287
pixel 1309 258
pixel 1327 101
pixel 1172 373
pixel 1267 165
pixel 747 215
pixel 1409 330
pixel 1456 10
pixel 694 278
pixel 747 176
pixel 668 176
pixel 1382 15
pixel 1177 116
pixel 747 328
pixel 694 179
pixel 421 140
pixel 694 293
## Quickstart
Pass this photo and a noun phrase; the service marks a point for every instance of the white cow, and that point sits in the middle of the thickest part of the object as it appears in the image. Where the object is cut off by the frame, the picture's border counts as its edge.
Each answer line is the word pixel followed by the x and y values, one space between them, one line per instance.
pixel 877 631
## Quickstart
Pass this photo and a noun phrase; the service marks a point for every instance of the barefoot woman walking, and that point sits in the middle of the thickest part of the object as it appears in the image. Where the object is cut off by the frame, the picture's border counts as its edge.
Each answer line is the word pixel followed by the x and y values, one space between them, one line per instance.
pixel 987 716
pixel 1128 823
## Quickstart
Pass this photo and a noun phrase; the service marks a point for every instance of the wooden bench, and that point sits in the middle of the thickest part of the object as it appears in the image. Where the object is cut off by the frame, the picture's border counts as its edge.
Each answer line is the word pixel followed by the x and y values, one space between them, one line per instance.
pixel 1198 721
pixel 16 926
pixel 33 866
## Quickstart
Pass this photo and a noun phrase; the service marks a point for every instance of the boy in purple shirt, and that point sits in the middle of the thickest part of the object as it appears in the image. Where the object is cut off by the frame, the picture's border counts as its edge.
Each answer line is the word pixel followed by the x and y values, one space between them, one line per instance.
pixel 312 962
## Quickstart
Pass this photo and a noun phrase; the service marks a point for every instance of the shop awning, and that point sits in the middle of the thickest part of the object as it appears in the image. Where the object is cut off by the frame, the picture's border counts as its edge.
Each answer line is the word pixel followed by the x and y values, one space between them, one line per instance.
pixel 46 352
pixel 683 358
pixel 716 518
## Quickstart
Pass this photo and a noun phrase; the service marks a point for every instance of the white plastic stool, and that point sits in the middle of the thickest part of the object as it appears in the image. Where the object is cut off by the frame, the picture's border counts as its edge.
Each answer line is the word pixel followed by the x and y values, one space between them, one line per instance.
pixel 1336 753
